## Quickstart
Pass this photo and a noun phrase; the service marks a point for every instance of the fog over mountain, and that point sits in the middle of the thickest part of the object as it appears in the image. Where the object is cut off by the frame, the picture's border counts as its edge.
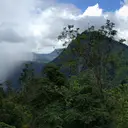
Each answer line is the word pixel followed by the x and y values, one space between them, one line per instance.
pixel 28 26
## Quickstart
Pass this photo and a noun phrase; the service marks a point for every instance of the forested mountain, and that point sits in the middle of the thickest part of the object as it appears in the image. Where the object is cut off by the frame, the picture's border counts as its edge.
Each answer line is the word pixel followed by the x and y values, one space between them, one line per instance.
pixel 70 62
pixel 84 87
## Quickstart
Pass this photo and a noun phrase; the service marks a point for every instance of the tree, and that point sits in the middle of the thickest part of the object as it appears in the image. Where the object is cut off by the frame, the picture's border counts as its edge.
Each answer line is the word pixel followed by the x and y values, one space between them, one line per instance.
pixel 26 77
pixel 119 100
pixel 52 72
pixel 14 114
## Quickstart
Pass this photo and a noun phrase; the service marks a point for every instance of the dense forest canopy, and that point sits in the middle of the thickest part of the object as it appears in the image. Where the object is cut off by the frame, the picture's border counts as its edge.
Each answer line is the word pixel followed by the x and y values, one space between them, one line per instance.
pixel 91 93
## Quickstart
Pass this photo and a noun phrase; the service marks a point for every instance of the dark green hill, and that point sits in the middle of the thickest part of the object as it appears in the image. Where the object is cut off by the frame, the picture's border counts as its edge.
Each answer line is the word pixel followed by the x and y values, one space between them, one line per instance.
pixel 117 67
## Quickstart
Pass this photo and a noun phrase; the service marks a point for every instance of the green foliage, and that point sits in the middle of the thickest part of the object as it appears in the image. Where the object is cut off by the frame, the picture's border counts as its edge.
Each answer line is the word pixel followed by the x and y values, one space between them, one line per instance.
pixel 3 125
pixel 27 76
pixel 52 72
pixel 14 114
pixel 80 106
pixel 120 97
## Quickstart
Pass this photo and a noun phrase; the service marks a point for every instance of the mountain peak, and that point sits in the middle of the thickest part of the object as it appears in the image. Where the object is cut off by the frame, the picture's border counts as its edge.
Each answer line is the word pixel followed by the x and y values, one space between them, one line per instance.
pixel 47 57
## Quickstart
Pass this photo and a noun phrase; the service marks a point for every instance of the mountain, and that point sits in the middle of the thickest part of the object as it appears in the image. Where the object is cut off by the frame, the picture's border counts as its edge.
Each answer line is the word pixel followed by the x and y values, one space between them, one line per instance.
pixel 45 58
pixel 40 60
pixel 67 60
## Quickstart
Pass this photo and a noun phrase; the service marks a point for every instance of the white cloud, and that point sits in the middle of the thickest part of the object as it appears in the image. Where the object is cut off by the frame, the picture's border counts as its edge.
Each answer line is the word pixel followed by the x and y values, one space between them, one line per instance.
pixel 122 12
pixel 33 25
pixel 93 11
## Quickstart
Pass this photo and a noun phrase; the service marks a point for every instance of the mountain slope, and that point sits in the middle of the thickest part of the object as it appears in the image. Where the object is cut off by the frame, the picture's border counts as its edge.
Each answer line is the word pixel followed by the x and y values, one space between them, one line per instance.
pixel 45 58
pixel 68 61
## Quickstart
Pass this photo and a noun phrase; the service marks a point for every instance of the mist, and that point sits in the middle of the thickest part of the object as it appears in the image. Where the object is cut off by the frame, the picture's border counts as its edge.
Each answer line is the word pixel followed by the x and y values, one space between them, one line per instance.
pixel 11 56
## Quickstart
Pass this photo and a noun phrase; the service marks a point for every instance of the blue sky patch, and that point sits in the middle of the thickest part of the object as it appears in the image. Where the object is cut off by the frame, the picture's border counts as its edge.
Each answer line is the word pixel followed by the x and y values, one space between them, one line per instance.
pixel 106 5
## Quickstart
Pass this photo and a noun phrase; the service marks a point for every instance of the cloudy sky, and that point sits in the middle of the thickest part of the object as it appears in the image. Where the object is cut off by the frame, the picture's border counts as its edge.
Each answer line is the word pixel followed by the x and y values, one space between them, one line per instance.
pixel 33 25
pixel 37 23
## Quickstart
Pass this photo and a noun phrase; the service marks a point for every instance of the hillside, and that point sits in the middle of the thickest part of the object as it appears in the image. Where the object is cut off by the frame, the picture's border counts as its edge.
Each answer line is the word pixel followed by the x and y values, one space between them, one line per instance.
pixel 67 60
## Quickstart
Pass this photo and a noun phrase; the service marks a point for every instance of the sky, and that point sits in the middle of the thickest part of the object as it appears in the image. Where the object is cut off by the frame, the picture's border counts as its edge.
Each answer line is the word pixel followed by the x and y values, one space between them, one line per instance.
pixel 106 5
pixel 28 26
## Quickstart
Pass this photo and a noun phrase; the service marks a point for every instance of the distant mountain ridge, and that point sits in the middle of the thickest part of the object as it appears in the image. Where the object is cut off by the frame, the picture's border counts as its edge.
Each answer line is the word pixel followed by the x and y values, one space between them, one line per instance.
pixel 39 61
pixel 45 58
